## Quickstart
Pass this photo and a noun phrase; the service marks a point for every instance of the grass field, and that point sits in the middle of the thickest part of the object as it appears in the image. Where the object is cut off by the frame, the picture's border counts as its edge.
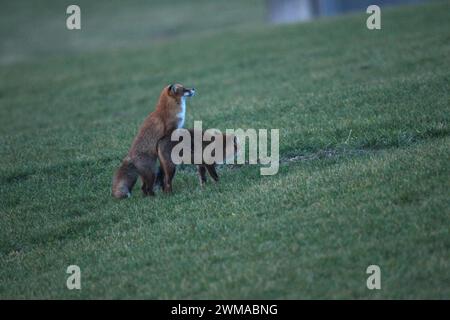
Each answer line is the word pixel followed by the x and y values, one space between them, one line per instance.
pixel 364 147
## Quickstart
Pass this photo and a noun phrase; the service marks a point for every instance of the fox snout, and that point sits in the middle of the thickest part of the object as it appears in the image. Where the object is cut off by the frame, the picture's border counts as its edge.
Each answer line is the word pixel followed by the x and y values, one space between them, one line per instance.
pixel 189 92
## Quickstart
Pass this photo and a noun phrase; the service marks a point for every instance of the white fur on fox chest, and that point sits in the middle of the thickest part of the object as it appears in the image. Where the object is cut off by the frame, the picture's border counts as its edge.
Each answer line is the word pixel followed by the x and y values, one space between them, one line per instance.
pixel 182 114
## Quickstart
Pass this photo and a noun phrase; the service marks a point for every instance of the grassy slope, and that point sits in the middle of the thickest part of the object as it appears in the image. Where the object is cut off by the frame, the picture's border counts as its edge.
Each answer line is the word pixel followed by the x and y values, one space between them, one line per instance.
pixel 376 196
pixel 36 29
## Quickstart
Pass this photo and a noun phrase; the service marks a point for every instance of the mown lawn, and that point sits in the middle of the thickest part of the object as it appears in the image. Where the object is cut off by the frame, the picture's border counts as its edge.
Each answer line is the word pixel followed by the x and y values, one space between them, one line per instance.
pixel 364 174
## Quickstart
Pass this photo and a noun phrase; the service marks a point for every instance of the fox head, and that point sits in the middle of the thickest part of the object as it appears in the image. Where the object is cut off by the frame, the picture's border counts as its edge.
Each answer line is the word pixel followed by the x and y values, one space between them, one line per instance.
pixel 178 91
pixel 175 95
pixel 172 102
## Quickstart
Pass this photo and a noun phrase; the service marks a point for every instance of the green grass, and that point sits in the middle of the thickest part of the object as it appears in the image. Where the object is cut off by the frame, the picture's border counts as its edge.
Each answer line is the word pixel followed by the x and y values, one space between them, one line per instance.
pixel 364 146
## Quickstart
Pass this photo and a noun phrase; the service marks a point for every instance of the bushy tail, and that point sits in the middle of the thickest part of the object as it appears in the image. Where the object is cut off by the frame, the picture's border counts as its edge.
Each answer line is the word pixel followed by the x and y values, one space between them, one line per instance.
pixel 124 180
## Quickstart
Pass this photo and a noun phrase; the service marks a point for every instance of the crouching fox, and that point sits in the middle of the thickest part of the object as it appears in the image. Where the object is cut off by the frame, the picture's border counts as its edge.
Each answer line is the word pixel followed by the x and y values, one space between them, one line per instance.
pixel 229 146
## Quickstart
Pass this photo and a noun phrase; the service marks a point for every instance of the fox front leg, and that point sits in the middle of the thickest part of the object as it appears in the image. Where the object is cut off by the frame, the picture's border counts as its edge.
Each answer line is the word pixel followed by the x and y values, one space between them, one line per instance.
pixel 201 174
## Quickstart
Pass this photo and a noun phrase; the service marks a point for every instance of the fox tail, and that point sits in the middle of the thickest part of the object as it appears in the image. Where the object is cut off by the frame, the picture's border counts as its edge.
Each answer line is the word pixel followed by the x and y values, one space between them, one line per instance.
pixel 124 179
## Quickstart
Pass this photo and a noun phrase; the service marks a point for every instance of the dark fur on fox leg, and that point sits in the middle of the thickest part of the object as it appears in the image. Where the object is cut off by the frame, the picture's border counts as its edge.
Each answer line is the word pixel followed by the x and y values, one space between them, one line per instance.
pixel 201 174
pixel 161 182
pixel 211 169
pixel 212 172
pixel 146 191
pixel 201 169
pixel 160 178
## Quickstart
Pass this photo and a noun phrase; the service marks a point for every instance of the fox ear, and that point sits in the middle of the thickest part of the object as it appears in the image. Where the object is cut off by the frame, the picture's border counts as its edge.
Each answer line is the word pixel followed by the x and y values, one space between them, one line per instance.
pixel 172 88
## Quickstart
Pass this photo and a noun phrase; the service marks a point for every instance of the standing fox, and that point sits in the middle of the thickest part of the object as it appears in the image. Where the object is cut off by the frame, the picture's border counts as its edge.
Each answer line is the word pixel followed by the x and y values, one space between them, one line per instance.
pixel 141 159
pixel 230 148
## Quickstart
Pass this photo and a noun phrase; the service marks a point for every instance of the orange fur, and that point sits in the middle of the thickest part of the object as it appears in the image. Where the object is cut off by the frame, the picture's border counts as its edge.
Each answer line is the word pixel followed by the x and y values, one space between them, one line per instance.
pixel 142 156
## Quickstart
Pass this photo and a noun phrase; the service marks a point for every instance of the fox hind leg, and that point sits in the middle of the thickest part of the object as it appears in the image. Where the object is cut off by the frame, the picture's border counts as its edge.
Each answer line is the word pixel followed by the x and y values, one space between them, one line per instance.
pixel 145 166
pixel 166 174
pixel 212 171
pixel 160 178
pixel 144 186
pixel 201 174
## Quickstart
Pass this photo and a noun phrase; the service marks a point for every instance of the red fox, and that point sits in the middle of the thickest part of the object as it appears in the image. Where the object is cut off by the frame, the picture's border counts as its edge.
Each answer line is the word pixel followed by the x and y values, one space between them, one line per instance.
pixel 141 159
pixel 166 171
